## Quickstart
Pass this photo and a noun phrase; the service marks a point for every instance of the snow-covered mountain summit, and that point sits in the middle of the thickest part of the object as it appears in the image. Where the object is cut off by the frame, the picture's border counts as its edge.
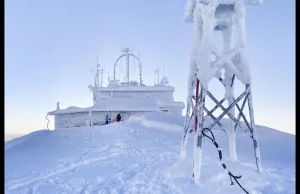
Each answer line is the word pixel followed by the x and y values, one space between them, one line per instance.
pixel 141 155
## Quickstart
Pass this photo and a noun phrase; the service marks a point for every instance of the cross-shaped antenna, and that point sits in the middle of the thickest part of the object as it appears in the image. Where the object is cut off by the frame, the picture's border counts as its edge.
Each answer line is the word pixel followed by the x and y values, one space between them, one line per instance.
pixel 92 70
pixel 98 65
pixel 126 50
pixel 96 77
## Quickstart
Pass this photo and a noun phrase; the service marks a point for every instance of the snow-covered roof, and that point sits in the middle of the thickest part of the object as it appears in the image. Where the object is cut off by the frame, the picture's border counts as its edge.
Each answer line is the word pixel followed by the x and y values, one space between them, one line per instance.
pixel 115 104
pixel 137 88
pixel 123 104
pixel 247 2
pixel 71 109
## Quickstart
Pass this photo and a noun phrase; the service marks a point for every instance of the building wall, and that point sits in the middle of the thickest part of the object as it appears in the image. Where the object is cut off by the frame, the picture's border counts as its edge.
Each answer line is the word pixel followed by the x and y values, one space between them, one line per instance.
pixel 176 111
pixel 68 120
pixel 158 95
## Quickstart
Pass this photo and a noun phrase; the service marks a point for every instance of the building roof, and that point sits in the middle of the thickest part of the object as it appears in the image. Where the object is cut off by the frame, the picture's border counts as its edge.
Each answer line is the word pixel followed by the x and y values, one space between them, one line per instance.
pixel 137 88
pixel 71 109
pixel 115 104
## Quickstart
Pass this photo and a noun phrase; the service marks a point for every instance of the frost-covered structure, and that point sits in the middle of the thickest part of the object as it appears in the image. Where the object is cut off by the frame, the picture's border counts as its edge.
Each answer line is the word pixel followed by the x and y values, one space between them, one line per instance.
pixel 127 98
pixel 209 16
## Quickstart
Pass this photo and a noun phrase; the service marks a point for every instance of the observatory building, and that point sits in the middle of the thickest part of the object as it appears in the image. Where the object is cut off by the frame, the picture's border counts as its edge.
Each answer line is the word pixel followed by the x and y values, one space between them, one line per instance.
pixel 127 97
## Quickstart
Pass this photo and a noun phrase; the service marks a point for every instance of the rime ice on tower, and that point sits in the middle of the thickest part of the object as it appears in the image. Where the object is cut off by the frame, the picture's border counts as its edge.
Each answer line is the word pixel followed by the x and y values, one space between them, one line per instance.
pixel 209 16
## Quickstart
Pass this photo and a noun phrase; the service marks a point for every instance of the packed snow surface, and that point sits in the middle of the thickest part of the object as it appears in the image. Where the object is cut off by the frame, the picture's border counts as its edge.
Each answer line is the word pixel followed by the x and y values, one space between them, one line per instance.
pixel 8 137
pixel 141 155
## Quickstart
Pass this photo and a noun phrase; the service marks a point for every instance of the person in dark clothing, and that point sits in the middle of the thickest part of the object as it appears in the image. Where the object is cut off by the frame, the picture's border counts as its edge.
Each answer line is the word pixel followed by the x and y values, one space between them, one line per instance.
pixel 109 119
pixel 118 117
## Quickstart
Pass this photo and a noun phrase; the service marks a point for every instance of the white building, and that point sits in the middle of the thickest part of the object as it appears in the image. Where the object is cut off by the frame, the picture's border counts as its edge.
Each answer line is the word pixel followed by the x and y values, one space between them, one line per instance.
pixel 127 98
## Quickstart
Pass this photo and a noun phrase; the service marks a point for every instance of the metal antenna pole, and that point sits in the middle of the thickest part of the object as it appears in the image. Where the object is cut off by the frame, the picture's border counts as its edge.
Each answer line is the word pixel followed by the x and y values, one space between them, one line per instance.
pixel 158 75
pixel 139 57
pixel 102 70
pixel 126 51
pixel 97 74
pixel 156 71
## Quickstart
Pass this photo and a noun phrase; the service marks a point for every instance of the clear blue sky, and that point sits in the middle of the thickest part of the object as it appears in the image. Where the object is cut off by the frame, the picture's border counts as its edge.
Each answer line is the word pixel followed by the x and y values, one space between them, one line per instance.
pixel 51 45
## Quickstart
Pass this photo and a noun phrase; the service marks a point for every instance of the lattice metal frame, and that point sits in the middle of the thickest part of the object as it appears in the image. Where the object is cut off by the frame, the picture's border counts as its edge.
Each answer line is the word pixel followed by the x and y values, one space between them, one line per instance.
pixel 209 16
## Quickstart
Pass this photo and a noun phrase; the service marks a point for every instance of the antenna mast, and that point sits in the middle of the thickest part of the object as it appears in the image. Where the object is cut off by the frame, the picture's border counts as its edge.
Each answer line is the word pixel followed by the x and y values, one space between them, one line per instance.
pixel 97 73
pixel 96 82
pixel 126 51
pixel 102 70
pixel 156 71
pixel 141 81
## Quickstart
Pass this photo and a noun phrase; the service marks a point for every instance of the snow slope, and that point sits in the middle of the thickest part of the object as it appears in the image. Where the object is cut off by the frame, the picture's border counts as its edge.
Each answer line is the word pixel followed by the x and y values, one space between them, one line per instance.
pixel 141 155
pixel 8 137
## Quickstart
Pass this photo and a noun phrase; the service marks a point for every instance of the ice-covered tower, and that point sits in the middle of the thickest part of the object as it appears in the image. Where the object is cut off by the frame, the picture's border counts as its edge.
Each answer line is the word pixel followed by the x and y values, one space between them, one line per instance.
pixel 208 17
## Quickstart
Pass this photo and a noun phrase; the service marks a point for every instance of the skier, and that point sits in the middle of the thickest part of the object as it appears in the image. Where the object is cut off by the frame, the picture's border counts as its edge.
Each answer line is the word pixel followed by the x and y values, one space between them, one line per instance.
pixel 118 117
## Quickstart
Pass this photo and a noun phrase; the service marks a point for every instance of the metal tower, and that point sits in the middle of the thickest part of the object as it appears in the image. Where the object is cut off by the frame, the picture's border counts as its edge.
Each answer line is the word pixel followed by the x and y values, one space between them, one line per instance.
pixel 211 16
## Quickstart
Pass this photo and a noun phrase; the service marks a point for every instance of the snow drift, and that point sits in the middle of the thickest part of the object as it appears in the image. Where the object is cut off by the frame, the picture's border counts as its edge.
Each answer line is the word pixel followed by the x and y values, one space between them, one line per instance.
pixel 141 155
pixel 8 137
